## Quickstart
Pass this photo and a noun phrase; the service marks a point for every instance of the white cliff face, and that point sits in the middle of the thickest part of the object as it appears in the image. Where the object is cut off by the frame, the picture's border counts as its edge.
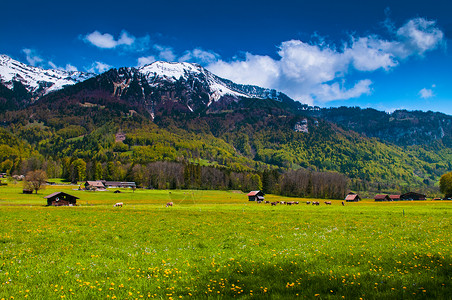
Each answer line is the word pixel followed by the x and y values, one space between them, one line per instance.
pixel 37 81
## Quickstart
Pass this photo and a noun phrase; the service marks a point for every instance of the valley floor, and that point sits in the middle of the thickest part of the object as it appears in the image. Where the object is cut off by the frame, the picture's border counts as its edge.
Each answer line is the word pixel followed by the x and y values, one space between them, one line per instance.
pixel 216 244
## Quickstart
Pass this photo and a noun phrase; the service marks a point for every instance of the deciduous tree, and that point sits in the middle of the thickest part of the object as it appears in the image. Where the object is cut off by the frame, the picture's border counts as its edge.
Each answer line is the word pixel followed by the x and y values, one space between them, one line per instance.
pixel 35 180
pixel 445 184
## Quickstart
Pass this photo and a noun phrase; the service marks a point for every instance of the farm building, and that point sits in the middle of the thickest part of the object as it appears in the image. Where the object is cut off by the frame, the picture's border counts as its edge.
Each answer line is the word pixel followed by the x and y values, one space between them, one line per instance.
pixel 413 196
pixel 394 197
pixel 380 198
pixel 94 185
pixel 61 199
pixel 255 196
pixel 352 197
pixel 117 184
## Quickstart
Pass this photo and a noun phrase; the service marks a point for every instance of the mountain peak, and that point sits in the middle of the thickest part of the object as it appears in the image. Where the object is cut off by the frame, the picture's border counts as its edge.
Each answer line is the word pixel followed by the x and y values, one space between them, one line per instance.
pixel 36 80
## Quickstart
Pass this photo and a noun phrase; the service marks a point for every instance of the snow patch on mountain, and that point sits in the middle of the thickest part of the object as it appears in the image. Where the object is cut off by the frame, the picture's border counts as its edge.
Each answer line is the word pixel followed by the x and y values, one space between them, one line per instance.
pixel 37 81
pixel 173 72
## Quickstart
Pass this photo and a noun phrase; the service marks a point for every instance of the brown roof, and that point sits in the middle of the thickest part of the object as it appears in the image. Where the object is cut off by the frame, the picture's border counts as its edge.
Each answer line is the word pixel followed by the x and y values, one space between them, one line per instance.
pixel 394 196
pixel 380 197
pixel 351 196
pixel 96 183
pixel 59 193
pixel 253 193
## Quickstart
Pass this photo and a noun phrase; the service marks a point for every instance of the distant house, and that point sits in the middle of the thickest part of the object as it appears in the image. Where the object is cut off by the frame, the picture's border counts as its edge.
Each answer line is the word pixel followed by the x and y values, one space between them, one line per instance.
pixel 394 197
pixel 94 185
pixel 117 184
pixel 413 196
pixel 380 198
pixel 27 191
pixel 61 199
pixel 255 196
pixel 352 197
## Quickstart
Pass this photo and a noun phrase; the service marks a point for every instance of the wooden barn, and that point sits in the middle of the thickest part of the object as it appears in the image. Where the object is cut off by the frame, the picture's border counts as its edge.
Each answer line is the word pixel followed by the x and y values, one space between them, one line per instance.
pixel 94 185
pixel 352 197
pixel 413 196
pixel 117 184
pixel 394 197
pixel 61 199
pixel 256 196
pixel 380 198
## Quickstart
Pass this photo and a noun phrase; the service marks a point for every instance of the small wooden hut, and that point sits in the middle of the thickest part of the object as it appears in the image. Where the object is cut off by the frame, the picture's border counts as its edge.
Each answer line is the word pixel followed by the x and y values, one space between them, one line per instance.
pixel 61 199
pixel 352 197
pixel 413 196
pixel 394 197
pixel 380 198
pixel 94 185
pixel 256 196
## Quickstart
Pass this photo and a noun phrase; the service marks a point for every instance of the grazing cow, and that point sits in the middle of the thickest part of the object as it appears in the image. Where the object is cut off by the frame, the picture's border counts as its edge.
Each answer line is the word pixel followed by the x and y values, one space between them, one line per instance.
pixel 282 202
pixel 290 203
pixel 296 202
pixel 274 203
pixel 267 202
pixel 308 202
pixel 169 204
pixel 259 201
pixel 119 204
pixel 328 202
pixel 343 204
pixel 315 203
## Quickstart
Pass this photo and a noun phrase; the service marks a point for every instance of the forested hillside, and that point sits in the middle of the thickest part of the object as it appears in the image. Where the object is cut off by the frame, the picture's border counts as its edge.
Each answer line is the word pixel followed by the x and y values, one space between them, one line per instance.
pixel 152 135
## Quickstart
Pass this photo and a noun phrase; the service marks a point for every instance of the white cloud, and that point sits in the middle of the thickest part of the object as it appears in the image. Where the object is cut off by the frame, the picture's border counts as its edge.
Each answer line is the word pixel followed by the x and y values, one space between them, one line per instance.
pixel 199 56
pixel 71 68
pixel 52 65
pixel 125 40
pixel 165 53
pixel 99 67
pixel 419 36
pixel 336 91
pixel 426 93
pixel 142 61
pixel 100 40
pixel 370 54
pixel 257 70
pixel 32 57
pixel 318 72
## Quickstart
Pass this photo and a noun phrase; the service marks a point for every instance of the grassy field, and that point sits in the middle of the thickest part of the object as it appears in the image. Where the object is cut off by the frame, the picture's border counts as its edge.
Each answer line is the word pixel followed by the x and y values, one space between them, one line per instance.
pixel 216 244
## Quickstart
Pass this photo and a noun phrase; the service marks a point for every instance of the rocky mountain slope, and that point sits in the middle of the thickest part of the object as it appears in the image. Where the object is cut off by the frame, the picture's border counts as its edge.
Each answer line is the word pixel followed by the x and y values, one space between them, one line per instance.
pixel 36 81
pixel 401 127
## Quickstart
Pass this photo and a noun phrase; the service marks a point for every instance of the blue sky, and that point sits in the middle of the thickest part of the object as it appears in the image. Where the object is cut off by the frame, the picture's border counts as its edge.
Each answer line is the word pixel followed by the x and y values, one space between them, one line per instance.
pixel 382 54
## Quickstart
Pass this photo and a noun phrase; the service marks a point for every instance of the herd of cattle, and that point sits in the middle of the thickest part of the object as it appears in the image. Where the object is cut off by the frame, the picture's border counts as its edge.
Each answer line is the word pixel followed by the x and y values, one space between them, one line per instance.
pixel 120 204
pixel 294 202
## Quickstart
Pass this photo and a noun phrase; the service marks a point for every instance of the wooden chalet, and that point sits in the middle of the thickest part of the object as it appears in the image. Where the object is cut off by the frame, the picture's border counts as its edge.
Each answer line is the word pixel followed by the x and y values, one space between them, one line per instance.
pixel 117 184
pixel 394 197
pixel 61 199
pixel 94 185
pixel 256 196
pixel 413 196
pixel 352 197
pixel 380 198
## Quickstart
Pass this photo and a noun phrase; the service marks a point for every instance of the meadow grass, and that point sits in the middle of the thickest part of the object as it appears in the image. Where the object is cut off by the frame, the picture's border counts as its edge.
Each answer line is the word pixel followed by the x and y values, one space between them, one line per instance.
pixel 216 244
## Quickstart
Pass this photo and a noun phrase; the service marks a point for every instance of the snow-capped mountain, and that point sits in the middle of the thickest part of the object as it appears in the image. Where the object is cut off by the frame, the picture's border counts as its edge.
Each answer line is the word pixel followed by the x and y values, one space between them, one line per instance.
pixel 37 81
pixel 164 86
pixel 218 87
pixel 157 86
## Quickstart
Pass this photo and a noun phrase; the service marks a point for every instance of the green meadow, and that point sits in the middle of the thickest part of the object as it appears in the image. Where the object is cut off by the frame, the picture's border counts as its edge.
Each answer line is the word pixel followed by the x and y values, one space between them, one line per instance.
pixel 216 245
